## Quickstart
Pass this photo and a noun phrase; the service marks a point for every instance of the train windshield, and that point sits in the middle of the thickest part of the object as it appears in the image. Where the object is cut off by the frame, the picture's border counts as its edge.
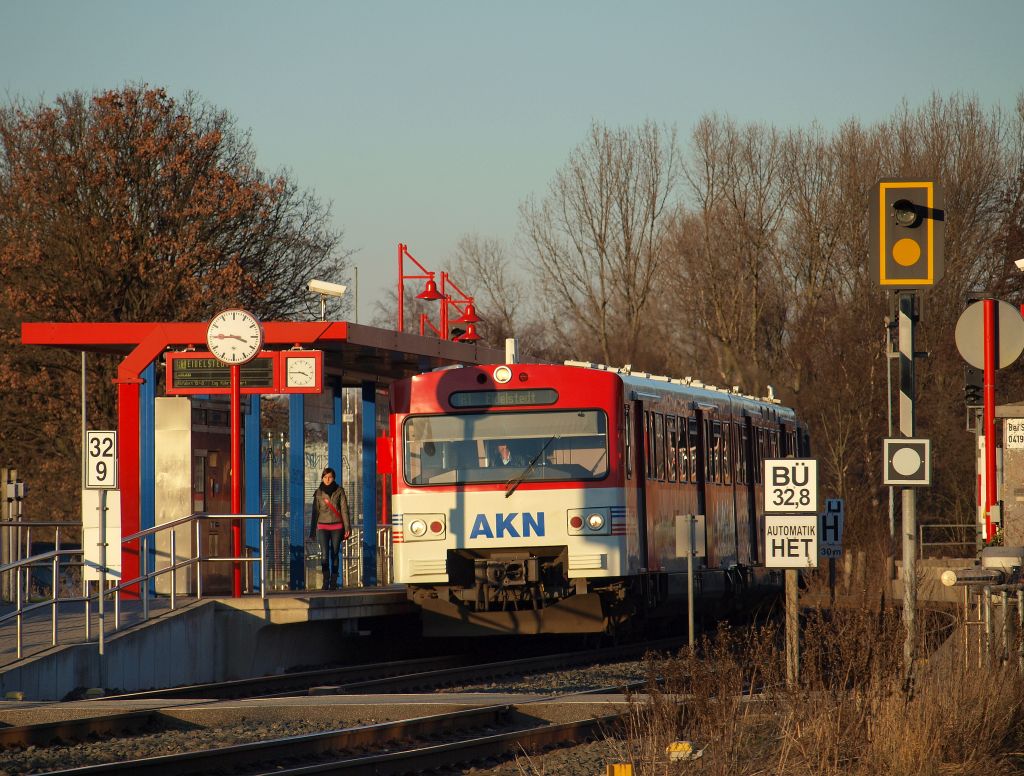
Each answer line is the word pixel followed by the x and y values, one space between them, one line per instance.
pixel 555 446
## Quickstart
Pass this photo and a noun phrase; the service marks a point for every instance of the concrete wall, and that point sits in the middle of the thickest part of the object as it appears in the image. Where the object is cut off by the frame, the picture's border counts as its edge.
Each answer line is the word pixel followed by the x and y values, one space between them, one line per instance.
pixel 208 641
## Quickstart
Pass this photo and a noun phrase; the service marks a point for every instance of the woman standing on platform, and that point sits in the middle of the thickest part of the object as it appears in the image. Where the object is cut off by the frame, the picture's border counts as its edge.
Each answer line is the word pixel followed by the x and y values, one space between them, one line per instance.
pixel 330 524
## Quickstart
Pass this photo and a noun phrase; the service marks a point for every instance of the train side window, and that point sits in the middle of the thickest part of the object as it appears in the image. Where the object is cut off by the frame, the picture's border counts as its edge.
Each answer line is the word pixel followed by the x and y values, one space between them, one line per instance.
pixel 627 439
pixel 743 433
pixel 773 443
pixel 705 446
pixel 684 450
pixel 671 448
pixel 726 453
pixel 659 446
pixel 694 440
pixel 647 444
pixel 762 454
pixel 712 434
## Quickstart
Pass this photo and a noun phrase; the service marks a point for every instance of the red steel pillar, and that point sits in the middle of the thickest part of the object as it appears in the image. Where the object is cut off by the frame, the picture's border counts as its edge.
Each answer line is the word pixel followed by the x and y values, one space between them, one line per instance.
pixel 990 413
pixel 236 477
pixel 128 474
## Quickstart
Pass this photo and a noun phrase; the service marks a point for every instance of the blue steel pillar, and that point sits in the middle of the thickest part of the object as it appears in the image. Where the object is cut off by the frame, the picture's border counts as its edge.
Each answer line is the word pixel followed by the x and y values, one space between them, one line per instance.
pixel 334 438
pixel 369 481
pixel 147 457
pixel 253 480
pixel 296 491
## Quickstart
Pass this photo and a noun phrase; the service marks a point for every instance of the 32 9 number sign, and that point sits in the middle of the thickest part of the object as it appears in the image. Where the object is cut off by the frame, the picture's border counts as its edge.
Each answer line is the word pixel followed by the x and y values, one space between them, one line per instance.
pixel 101 460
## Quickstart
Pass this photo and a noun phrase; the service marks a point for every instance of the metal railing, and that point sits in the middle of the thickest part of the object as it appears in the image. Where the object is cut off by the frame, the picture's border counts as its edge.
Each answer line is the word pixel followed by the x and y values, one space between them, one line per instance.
pixel 385 561
pixel 23 606
pixel 967 530
pixel 140 584
pixel 350 559
pixel 16 541
pixel 195 562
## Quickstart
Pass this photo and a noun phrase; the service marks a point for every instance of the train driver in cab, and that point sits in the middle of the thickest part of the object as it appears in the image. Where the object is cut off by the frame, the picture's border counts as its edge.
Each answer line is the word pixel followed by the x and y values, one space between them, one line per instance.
pixel 503 455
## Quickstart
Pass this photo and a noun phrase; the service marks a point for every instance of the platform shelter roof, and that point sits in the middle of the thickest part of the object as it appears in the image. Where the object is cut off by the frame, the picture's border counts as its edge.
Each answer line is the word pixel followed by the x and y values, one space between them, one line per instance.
pixel 355 352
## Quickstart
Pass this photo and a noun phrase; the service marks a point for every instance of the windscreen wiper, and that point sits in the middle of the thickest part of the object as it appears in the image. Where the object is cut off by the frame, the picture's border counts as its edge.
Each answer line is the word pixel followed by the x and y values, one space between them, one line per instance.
pixel 511 485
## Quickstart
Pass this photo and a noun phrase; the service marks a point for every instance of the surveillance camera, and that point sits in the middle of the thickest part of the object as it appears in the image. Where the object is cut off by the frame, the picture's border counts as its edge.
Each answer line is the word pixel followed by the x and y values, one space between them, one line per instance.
pixel 325 288
pixel 1020 264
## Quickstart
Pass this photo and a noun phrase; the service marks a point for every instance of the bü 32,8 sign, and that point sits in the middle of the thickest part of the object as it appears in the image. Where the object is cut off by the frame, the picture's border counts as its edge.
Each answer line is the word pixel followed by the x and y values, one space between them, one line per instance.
pixel 791 486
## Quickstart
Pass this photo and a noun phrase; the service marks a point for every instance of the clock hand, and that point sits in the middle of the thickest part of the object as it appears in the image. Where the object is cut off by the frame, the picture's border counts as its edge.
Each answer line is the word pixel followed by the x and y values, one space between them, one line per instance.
pixel 229 336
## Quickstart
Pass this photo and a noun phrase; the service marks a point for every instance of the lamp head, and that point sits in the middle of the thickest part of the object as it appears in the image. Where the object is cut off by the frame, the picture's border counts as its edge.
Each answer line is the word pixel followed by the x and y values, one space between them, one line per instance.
pixel 430 292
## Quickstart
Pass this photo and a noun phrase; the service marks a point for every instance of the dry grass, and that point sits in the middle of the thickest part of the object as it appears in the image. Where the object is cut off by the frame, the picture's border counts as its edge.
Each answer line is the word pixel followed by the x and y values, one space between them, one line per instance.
pixel 854 712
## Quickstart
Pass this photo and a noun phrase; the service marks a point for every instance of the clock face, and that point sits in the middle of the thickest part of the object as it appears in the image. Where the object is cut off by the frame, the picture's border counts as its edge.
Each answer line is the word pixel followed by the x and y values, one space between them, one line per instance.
pixel 234 336
pixel 301 372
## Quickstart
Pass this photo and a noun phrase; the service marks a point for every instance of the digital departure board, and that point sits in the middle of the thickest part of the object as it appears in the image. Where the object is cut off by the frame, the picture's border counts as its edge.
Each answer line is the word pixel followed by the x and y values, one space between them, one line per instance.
pixel 201 373
pixel 517 397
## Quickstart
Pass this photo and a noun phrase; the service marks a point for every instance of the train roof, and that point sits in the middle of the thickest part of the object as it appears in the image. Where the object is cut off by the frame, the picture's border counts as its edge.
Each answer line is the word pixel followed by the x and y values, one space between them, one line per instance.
pixel 640 381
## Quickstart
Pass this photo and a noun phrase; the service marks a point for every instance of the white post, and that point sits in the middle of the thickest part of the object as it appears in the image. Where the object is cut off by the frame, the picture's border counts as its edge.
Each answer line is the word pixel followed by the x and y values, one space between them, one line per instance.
pixel 103 568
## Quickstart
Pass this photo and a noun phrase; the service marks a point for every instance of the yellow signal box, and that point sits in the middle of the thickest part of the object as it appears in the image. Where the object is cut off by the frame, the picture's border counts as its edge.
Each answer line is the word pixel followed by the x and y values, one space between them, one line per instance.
pixel 907 220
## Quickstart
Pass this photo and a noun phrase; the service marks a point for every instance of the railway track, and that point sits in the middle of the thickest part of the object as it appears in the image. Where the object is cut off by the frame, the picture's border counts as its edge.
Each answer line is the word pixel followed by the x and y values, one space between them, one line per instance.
pixel 405 746
pixel 295 682
pixel 454 673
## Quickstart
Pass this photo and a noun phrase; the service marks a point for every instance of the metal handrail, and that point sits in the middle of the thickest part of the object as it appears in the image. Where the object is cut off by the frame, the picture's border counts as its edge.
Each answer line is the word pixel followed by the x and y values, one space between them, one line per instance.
pixel 22 608
pixel 921 543
pixel 197 561
pixel 143 580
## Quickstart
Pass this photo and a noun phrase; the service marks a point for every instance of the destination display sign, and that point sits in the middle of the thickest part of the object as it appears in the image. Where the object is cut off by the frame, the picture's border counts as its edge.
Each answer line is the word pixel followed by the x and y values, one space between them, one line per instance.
pixel 200 373
pixel 511 398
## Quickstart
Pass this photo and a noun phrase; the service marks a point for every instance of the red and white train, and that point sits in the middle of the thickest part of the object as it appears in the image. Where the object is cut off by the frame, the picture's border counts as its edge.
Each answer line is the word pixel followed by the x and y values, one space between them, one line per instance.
pixel 540 498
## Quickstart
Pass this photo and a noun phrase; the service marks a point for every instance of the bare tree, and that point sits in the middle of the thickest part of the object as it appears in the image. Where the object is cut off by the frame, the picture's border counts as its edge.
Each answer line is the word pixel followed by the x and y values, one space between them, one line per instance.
pixel 725 251
pixel 595 241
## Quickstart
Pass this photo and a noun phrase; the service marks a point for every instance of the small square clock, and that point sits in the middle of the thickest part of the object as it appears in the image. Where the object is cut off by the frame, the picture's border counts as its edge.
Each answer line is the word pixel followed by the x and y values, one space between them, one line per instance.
pixel 300 372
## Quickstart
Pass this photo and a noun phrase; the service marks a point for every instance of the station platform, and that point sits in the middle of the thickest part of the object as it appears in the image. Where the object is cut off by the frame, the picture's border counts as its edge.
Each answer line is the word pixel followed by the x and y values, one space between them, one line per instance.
pixel 208 640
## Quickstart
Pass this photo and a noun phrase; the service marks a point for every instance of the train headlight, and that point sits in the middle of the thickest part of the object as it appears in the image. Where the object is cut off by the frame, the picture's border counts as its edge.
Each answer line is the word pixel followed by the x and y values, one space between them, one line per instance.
pixel 423 527
pixel 502 374
pixel 589 521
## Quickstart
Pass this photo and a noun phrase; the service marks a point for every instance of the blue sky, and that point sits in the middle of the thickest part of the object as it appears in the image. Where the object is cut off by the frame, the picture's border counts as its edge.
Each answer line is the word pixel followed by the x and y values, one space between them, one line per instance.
pixel 424 121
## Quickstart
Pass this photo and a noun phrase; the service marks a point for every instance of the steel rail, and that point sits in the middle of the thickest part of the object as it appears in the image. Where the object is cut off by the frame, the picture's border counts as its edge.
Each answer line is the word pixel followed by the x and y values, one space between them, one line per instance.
pixel 280 683
pixel 45 733
pixel 422 759
pixel 310 745
pixel 467 673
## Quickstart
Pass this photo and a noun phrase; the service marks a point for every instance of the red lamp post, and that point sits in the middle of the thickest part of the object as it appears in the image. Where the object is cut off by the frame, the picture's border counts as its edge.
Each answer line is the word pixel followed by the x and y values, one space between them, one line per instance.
pixel 462 303
pixel 429 292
